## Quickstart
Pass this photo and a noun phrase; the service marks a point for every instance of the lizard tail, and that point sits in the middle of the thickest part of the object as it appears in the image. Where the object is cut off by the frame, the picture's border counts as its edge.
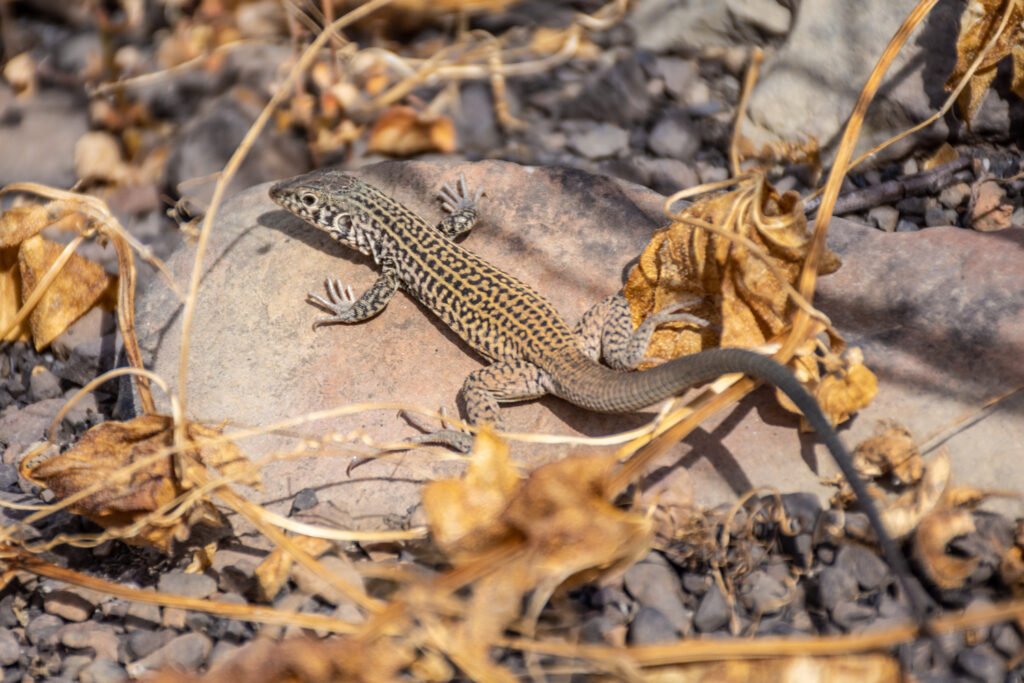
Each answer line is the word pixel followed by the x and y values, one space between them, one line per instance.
pixel 602 389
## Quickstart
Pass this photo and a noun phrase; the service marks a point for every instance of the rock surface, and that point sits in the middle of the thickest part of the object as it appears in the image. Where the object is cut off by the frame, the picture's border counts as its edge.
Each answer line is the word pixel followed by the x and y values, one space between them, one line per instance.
pixel 935 311
pixel 821 55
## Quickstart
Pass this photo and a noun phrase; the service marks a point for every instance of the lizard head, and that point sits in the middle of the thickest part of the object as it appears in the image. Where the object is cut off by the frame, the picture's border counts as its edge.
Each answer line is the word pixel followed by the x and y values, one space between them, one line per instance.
pixel 333 201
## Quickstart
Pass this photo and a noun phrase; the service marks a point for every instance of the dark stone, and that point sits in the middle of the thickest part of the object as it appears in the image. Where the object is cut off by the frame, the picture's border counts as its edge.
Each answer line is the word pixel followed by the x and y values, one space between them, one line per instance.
pixel 983 663
pixel 836 585
pixel 849 615
pixel 869 570
pixel 144 643
pixel 712 612
pixel 675 136
pixel 762 593
pixel 304 500
pixel 650 626
pixel 617 94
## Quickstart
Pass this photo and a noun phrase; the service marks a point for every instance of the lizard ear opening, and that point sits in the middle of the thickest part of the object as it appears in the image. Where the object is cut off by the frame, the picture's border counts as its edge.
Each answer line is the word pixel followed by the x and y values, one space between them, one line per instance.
pixel 343 222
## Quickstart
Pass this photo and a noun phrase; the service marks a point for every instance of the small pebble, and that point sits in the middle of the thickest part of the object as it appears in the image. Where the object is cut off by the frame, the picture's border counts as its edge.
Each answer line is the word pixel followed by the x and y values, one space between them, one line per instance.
pixel 912 205
pixel 188 652
pixel 304 500
pixel 99 638
pixel 884 218
pixel 143 643
pixel 650 626
pixel 600 141
pixel 762 594
pixel 695 583
pixel 68 605
pixel 73 665
pixel 187 585
pixel 868 569
pixel 712 612
pixel 42 631
pixel 836 585
pixel 907 226
pixel 654 583
pixel 935 216
pixel 103 671
pixel 849 615
pixel 142 615
pixel 983 663
pixel 955 195
pixel 1006 638
pixel 43 384
pixel 675 136
pixel 10 649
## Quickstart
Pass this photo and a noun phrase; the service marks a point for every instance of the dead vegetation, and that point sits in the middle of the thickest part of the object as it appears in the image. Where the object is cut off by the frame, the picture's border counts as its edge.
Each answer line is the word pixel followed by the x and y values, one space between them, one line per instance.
pixel 505 544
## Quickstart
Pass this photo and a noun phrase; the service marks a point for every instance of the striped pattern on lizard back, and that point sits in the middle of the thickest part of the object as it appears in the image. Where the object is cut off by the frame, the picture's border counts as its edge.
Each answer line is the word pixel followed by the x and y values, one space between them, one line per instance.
pixel 533 351
pixel 495 313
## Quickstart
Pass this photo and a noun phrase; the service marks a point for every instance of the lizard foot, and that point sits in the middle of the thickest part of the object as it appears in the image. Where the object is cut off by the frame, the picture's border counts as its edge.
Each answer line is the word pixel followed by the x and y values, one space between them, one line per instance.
pixel 339 301
pixel 457 198
pixel 676 313
pixel 455 439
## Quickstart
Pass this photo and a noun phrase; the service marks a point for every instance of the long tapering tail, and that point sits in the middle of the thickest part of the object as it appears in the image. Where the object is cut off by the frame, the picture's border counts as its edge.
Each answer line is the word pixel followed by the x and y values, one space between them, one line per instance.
pixel 598 388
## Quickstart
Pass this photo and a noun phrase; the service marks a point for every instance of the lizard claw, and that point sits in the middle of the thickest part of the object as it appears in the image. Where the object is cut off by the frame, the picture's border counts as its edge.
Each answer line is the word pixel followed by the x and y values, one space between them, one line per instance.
pixel 457 198
pixel 339 301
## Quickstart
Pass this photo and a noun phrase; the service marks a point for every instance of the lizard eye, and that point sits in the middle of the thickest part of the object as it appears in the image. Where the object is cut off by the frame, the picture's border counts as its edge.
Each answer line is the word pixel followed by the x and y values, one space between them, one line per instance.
pixel 308 199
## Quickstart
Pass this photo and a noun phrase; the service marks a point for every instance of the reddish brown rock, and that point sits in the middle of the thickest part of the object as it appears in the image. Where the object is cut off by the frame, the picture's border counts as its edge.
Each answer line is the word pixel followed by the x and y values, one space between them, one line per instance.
pixel 934 309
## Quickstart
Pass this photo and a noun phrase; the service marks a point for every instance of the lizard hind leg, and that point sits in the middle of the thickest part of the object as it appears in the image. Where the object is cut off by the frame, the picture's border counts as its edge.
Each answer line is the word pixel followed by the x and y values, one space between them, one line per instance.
pixel 484 389
pixel 606 331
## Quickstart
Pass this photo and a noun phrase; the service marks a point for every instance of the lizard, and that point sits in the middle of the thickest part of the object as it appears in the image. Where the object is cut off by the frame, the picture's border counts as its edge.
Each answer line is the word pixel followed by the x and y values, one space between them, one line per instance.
pixel 533 351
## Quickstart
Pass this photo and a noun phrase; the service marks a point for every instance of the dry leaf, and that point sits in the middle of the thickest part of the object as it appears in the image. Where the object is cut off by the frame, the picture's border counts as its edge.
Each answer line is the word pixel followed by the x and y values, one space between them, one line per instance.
pixel 107 448
pixel 464 515
pixel 978 24
pixel 905 513
pixel 558 526
pixel 891 451
pixel 80 285
pixel 945 154
pixel 11 297
pixel 988 208
pixel 1011 566
pixel 20 72
pixel 402 131
pixel 98 158
pixel 738 293
pixel 934 533
pixel 276 567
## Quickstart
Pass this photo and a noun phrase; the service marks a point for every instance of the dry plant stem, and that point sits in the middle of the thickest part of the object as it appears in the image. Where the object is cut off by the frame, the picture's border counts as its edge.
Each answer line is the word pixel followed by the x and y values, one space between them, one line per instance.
pixel 749 80
pixel 802 323
pixel 252 613
pixel 51 433
pixel 951 100
pixel 157 76
pixel 893 190
pixel 231 168
pixel 721 649
pixel 343 535
pixel 254 514
pixel 972 417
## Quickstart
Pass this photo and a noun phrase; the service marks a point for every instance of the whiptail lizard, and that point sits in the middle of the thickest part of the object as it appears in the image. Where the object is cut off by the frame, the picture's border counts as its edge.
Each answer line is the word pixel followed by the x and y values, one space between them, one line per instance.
pixel 532 349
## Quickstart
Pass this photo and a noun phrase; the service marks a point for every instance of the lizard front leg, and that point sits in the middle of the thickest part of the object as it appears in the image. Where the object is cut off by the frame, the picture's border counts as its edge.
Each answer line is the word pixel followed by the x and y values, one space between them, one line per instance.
pixel 606 331
pixel 346 308
pixel 506 381
pixel 461 206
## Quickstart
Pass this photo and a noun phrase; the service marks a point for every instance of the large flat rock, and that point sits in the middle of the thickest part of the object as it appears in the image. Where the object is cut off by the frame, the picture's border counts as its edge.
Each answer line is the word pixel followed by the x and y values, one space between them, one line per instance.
pixel 935 311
